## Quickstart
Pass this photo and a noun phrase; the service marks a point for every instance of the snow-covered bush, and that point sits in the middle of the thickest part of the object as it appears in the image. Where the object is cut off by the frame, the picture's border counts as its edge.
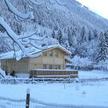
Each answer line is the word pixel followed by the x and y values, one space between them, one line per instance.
pixel 78 61
pixel 2 73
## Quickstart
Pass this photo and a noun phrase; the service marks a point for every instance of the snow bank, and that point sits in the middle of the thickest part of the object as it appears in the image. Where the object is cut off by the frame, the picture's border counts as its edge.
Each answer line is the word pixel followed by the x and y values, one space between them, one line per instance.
pixel 92 74
pixel 2 73
pixel 103 63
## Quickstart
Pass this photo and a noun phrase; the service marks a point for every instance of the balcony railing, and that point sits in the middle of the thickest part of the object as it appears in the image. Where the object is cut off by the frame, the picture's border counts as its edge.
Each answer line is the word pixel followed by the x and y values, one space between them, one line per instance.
pixel 53 73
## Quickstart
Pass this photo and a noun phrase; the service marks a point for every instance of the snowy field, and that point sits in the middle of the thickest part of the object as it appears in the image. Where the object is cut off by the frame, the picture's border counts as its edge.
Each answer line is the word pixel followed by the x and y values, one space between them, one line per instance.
pixel 93 74
pixel 64 95
pixel 78 94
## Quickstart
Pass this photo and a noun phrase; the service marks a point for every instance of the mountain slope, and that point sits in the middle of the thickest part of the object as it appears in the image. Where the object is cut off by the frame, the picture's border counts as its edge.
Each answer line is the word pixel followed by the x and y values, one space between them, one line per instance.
pixel 85 14
pixel 65 21
pixel 56 13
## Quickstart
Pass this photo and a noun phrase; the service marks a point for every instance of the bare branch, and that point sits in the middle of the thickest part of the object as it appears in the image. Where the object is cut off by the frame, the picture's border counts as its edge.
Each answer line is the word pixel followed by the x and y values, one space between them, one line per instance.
pixel 24 37
pixel 10 33
pixel 36 2
pixel 16 12
pixel 37 47
pixel 30 37
pixel 59 3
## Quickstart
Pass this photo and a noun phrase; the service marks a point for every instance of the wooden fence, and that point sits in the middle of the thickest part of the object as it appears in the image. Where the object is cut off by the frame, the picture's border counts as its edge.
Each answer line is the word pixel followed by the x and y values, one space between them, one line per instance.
pixel 48 73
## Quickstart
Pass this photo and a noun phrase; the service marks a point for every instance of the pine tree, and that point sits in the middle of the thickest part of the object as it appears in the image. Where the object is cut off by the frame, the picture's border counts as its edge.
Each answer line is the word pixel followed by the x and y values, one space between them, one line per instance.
pixel 53 34
pixel 95 33
pixel 83 35
pixel 69 37
pixel 102 49
pixel 89 36
pixel 106 37
pixel 72 39
pixel 59 36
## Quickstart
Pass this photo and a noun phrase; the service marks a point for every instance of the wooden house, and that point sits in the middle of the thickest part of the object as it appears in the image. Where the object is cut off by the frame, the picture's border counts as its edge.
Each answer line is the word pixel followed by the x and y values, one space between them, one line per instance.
pixel 45 62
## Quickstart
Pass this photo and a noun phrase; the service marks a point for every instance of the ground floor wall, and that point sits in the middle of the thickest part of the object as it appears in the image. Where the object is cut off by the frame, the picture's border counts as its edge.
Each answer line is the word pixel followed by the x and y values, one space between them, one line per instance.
pixel 12 65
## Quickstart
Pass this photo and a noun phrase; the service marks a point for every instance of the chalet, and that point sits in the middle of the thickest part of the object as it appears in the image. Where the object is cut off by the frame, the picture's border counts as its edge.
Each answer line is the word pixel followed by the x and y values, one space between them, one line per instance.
pixel 45 62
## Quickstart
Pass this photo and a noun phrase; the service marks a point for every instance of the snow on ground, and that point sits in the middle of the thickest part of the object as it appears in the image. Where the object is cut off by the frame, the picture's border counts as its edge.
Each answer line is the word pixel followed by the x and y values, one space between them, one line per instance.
pixel 94 93
pixel 2 72
pixel 93 74
pixel 78 94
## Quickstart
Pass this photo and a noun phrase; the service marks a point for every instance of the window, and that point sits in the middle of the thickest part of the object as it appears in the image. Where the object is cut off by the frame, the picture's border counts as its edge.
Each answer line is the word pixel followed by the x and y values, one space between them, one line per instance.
pixel 45 53
pixel 56 54
pixel 35 65
pixel 3 67
pixel 50 66
pixel 59 67
pixel 51 53
pixel 44 66
pixel 55 67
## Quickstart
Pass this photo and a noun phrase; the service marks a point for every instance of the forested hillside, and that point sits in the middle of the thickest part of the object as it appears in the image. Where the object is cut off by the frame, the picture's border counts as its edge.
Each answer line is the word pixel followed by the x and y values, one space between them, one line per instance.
pixel 66 22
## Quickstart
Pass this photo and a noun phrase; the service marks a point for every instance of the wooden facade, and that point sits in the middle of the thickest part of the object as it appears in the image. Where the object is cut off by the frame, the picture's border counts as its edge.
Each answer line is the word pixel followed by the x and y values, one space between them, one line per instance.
pixel 52 60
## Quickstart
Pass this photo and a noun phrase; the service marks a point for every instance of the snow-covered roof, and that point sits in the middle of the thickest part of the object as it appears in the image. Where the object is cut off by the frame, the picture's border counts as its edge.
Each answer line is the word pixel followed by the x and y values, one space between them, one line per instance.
pixel 57 46
pixel 30 52
pixel 19 54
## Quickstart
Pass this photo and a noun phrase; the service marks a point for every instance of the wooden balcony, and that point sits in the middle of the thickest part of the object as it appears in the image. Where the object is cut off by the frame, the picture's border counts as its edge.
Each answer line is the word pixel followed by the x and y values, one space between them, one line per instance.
pixel 53 73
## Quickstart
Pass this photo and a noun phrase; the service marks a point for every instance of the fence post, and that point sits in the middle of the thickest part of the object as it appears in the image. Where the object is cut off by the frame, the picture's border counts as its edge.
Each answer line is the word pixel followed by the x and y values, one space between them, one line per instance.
pixel 28 99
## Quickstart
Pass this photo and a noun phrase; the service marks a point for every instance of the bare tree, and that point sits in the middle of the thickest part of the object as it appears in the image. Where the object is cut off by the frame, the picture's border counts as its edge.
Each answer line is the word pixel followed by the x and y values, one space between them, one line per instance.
pixel 23 16
pixel 7 28
pixel 16 12
pixel 11 33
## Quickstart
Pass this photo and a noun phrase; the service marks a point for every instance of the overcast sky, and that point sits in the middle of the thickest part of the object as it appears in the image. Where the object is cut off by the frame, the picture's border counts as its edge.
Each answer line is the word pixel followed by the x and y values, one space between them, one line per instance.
pixel 98 6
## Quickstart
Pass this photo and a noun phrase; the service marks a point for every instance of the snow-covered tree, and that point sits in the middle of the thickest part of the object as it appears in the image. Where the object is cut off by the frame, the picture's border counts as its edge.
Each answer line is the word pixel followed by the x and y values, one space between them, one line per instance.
pixel 106 38
pixel 83 35
pixel 102 49
pixel 72 37
pixel 3 45
pixel 60 36
pixel 4 25
pixel 95 32
pixel 69 37
pixel 89 36
pixel 53 34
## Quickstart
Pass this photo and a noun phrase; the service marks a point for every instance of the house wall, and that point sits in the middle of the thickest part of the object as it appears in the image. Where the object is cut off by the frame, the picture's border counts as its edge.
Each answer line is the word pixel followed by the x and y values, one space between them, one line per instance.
pixel 51 59
pixel 54 57
pixel 18 66
pixel 35 63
